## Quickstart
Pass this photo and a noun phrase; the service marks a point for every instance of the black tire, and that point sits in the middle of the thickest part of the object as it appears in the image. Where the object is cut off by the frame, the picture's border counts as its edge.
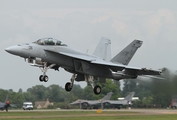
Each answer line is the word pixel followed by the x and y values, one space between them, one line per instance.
pixel 68 86
pixel 41 78
pixel 45 78
pixel 97 89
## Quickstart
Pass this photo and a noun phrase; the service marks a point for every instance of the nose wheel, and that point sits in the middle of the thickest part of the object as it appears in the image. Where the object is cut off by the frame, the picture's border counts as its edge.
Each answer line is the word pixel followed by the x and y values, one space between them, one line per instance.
pixel 44 69
pixel 44 78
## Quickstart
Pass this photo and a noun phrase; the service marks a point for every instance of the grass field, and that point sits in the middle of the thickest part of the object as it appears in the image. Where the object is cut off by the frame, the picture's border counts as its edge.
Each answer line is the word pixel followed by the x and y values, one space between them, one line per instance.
pixel 84 115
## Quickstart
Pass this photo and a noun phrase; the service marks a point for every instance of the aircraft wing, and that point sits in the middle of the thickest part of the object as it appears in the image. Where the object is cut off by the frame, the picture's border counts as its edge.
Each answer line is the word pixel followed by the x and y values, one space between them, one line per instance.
pixel 77 56
pixel 89 102
pixel 128 69
pixel 77 102
pixel 91 59
pixel 111 65
pixel 116 102
pixel 94 102
pixel 1 105
pixel 154 77
pixel 141 71
pixel 103 62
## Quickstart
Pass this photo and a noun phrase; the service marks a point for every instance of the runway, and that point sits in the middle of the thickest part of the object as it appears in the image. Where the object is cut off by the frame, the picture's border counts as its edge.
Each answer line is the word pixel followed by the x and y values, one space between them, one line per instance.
pixel 154 111
pixel 77 113
pixel 141 111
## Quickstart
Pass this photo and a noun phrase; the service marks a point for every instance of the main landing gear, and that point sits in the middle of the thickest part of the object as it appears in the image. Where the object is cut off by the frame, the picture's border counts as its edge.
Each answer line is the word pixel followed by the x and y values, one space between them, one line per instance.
pixel 44 69
pixel 97 89
pixel 88 78
pixel 69 85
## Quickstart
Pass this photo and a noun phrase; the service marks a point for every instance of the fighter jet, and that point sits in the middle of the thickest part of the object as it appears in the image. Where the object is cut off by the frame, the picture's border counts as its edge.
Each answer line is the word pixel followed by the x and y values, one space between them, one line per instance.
pixel 89 103
pixel 49 53
pixel 5 105
pixel 126 101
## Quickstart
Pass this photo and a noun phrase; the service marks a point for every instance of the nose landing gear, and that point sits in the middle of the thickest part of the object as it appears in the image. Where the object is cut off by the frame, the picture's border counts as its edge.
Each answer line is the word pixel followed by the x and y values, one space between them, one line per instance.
pixel 44 78
pixel 44 69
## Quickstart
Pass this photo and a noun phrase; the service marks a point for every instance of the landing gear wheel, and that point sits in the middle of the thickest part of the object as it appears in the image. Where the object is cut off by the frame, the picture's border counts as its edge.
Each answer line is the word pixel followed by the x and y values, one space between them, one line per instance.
pixel 68 86
pixel 45 78
pixel 41 78
pixel 97 89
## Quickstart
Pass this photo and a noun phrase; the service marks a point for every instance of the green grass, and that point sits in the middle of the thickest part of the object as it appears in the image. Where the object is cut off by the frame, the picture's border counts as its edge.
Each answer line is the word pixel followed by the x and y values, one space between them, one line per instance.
pixel 83 115
pixel 49 113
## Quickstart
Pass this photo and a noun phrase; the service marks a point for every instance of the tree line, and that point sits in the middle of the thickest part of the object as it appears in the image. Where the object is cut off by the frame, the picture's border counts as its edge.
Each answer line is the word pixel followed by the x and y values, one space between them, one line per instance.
pixel 151 92
pixel 58 95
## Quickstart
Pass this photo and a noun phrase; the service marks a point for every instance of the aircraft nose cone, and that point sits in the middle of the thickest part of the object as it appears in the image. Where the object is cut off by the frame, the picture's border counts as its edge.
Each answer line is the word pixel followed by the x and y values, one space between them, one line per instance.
pixel 8 49
pixel 16 50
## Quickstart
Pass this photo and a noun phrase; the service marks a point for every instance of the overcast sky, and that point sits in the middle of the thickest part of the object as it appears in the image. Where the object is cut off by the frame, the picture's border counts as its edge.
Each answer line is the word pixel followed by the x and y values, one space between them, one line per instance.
pixel 80 24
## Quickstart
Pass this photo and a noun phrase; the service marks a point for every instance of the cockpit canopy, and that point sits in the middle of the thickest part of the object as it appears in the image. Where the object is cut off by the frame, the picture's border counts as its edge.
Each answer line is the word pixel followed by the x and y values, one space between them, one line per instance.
pixel 49 41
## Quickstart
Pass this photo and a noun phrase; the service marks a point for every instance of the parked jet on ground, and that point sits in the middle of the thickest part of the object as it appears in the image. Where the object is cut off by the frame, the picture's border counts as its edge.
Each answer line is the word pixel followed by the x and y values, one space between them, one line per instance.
pixel 89 103
pixel 49 53
pixel 126 101
pixel 5 105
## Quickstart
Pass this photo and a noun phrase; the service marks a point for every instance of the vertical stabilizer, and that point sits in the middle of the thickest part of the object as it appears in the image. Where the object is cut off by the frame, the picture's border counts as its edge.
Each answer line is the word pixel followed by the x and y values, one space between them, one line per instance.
pixel 130 96
pixel 103 49
pixel 108 96
pixel 127 53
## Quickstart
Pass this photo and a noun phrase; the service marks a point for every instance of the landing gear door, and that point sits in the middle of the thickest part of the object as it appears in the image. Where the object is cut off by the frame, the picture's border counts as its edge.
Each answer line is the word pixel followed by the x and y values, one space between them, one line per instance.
pixel 78 66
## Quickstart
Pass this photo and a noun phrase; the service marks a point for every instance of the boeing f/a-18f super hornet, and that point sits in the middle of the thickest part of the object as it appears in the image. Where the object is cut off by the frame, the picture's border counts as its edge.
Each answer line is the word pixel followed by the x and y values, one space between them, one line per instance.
pixel 49 53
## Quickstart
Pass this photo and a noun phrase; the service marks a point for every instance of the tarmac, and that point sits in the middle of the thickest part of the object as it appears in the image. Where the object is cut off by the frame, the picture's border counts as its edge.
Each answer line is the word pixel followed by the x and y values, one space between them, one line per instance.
pixel 143 111
pixel 115 112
